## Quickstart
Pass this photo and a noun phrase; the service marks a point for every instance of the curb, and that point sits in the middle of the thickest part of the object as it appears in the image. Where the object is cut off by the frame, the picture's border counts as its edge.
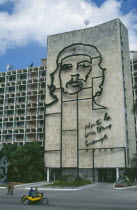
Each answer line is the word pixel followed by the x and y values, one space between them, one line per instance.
pixel 33 184
pixel 55 189
pixel 29 184
pixel 52 189
pixel 67 189
pixel 123 188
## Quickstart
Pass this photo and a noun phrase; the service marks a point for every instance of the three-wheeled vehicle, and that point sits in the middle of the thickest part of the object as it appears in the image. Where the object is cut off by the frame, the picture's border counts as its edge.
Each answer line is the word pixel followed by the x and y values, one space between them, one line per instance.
pixel 38 198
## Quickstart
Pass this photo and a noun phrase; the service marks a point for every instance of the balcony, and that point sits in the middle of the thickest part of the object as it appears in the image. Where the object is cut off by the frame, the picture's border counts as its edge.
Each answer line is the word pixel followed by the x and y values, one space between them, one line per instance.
pixel 9 128
pixel 20 114
pixel 30 139
pixel 31 127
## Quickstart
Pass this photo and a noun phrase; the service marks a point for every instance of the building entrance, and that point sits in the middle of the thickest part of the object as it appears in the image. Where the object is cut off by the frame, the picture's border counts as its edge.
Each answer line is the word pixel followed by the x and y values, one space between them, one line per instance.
pixel 107 175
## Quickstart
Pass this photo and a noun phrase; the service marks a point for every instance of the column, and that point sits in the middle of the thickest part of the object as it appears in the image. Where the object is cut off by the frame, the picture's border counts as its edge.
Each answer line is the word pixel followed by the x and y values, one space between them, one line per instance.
pixel 117 173
pixel 47 174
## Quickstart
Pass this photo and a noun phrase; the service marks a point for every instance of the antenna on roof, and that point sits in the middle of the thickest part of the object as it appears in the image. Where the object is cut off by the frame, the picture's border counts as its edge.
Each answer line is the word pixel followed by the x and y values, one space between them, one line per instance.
pixel 31 64
pixel 86 22
pixel 9 67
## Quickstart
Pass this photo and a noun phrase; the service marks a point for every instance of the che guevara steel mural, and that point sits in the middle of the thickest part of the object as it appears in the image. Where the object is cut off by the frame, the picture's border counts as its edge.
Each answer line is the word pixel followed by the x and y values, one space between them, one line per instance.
pixel 74 67
pixel 75 62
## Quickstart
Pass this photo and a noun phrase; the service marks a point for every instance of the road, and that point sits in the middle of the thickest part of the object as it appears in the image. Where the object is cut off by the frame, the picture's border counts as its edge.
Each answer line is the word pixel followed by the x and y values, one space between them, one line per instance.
pixel 100 196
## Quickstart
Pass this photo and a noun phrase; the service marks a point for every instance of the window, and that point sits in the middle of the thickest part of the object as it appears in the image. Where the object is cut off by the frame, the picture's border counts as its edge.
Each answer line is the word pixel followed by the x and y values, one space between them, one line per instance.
pixel 43 85
pixel 10 112
pixel 21 99
pixel 23 87
pixel 12 78
pixel 2 79
pixel 1 90
pixel 135 66
pixel 135 79
pixel 23 76
pixel 12 89
pixel 11 100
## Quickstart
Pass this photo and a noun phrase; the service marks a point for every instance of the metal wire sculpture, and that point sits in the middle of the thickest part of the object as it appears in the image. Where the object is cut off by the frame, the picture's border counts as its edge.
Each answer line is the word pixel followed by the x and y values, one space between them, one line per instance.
pixel 76 83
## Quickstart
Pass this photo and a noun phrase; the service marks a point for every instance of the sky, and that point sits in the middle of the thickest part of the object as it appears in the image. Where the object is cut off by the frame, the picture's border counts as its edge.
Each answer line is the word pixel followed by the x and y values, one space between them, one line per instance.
pixel 25 25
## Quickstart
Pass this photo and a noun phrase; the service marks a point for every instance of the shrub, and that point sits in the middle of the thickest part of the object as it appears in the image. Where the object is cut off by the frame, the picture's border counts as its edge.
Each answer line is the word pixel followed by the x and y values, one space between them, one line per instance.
pixel 123 182
pixel 70 180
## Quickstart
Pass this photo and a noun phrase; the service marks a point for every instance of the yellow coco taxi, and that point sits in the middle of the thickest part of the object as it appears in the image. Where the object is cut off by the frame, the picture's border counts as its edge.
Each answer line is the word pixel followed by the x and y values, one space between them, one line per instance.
pixel 39 198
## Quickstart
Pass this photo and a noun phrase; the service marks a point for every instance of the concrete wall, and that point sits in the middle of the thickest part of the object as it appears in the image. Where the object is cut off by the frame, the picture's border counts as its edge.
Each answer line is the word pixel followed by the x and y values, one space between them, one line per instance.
pixel 69 120
pixel 128 95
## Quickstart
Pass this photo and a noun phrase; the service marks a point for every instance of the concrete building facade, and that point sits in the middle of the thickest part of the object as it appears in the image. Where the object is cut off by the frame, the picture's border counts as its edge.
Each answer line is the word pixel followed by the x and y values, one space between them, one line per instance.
pixel 22 105
pixel 133 62
pixel 89 124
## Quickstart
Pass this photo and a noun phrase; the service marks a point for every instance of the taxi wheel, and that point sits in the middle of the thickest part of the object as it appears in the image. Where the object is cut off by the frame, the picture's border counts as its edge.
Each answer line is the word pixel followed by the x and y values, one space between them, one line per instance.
pixel 45 201
pixel 26 201
pixel 22 199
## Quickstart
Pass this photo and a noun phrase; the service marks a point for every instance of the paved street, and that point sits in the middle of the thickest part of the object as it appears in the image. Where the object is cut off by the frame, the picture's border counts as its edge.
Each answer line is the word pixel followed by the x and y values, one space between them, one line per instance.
pixel 99 196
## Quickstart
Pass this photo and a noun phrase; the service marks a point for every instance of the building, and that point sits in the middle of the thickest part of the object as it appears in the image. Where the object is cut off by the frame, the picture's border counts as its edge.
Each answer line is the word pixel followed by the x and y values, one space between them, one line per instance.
pixel 89 124
pixel 22 105
pixel 133 62
pixel 88 127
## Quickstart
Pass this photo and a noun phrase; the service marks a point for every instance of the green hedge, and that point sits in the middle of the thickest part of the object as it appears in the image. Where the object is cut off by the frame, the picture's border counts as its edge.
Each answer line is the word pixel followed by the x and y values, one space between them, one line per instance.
pixel 70 180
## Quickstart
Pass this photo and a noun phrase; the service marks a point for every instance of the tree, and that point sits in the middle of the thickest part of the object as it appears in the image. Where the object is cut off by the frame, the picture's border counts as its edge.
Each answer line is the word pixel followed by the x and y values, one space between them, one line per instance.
pixel 132 172
pixel 134 161
pixel 26 162
pixel 7 149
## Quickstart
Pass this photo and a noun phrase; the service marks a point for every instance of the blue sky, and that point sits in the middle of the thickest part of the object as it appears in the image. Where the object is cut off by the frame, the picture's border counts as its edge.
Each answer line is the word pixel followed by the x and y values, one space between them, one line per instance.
pixel 25 24
pixel 127 5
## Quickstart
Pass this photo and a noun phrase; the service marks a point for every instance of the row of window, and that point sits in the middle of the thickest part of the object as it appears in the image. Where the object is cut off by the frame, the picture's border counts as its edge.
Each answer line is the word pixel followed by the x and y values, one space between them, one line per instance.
pixel 22 76
pixel 21 100
pixel 23 88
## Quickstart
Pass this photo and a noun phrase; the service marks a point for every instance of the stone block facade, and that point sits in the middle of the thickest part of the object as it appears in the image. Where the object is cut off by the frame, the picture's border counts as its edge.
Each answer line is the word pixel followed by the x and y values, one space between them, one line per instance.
pixel 89 123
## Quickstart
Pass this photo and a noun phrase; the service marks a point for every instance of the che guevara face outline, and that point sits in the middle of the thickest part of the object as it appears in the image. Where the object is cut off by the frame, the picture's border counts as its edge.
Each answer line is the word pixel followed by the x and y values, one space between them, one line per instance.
pixel 72 60
pixel 73 73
